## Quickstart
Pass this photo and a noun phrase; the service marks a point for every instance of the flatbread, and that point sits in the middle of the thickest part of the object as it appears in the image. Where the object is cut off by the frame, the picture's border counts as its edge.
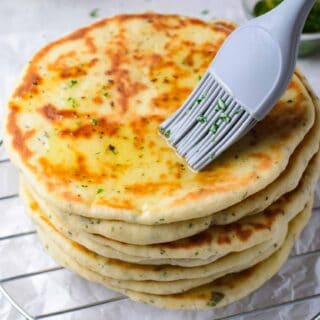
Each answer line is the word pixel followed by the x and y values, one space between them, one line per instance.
pixel 216 294
pixel 235 286
pixel 287 181
pixel 146 234
pixel 211 244
pixel 239 262
pixel 82 123
pixel 139 234
pixel 153 287
pixel 117 269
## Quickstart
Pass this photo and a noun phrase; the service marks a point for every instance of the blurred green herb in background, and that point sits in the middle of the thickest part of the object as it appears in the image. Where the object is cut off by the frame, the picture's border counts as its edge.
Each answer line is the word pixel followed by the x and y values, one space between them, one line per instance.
pixel 312 24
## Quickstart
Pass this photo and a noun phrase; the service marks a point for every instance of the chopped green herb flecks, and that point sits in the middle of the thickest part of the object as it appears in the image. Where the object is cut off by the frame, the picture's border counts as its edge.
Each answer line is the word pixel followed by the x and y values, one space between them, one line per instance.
pixel 221 106
pixel 73 83
pixel 199 77
pixel 205 12
pixel 165 132
pixel 106 94
pixel 72 101
pixel 100 190
pixel 214 128
pixel 216 297
pixel 224 117
pixel 312 24
pixel 94 122
pixel 198 101
pixel 84 186
pixel 201 119
pixel 94 13
pixel 112 148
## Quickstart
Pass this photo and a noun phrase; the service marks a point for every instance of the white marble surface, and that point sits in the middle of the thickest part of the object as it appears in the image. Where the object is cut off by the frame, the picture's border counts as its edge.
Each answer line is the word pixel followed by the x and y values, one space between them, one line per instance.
pixel 27 25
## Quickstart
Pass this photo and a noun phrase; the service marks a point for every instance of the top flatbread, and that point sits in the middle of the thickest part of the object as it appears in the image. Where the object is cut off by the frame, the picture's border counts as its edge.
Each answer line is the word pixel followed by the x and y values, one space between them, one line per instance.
pixel 82 123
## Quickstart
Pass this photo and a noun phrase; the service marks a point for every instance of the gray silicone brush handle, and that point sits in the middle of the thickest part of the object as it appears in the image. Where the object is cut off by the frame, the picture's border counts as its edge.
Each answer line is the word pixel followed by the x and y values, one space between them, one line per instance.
pixel 285 24
pixel 256 62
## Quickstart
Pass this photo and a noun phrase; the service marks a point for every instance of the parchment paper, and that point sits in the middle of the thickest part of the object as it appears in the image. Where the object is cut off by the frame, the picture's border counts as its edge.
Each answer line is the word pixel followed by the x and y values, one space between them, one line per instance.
pixel 24 27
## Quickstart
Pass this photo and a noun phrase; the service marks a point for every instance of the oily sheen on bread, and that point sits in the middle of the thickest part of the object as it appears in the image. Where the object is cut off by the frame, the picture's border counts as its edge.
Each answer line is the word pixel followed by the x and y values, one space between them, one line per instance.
pixel 82 123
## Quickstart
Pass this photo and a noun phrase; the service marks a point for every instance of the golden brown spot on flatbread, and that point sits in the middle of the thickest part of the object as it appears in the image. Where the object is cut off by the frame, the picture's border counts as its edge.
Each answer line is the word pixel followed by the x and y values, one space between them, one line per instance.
pixel 265 161
pixel 164 26
pixel 77 170
pixel 215 187
pixel 102 127
pixel 90 44
pixel 223 239
pixel 197 240
pixel 137 128
pixel 34 205
pixel 46 220
pixel 97 99
pixel 81 248
pixel 51 113
pixel 293 86
pixel 224 26
pixel 53 169
pixel 140 126
pixel 151 59
pixel 75 71
pixel 126 88
pixel 243 233
pixel 19 139
pixel 171 100
pixel 152 187
pixel 202 54
pixel 115 203
pixel 62 59
pixel 29 84
pixel 259 226
pixel 71 196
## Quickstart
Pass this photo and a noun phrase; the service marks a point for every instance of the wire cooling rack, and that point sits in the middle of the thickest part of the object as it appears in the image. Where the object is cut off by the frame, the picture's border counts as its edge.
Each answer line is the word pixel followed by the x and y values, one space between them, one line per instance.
pixel 29 278
pixel 40 289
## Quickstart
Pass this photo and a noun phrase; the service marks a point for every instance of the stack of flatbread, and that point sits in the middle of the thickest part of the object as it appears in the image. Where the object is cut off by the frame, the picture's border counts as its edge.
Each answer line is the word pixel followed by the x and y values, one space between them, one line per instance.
pixel 115 204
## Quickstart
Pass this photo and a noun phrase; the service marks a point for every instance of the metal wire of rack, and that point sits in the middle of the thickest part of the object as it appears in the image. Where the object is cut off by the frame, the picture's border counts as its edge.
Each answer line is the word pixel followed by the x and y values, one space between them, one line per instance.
pixel 29 276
